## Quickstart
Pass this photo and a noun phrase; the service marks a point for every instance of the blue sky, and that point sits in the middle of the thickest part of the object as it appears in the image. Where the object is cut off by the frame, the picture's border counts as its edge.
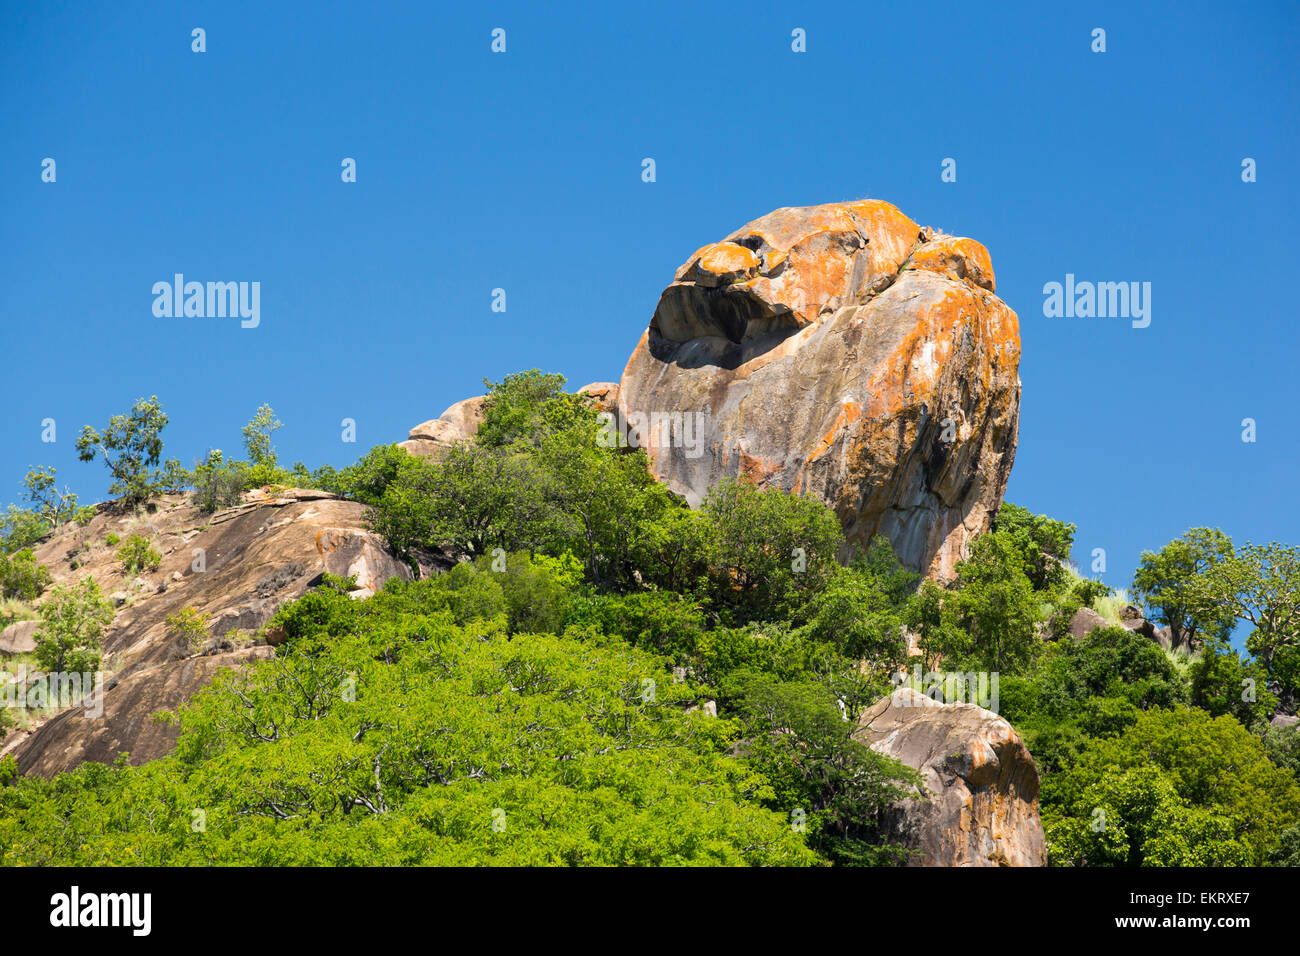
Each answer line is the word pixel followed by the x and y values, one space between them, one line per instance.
pixel 522 170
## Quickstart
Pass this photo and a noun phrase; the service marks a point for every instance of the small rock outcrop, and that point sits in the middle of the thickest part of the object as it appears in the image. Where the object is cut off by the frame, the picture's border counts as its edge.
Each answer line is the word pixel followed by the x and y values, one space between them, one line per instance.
pixel 1084 622
pixel 983 785
pixel 19 638
pixel 845 352
pixel 236 567
pixel 460 422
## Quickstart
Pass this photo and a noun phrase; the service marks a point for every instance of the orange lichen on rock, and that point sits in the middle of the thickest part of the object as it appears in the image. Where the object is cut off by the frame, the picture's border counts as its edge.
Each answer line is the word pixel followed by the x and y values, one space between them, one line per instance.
pixel 962 259
pixel 724 262
pixel 849 413
pixel 855 357
pixel 784 270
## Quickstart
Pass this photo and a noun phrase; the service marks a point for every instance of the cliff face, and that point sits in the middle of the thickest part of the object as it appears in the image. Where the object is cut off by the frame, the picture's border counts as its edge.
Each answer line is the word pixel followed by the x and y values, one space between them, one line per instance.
pixel 845 352
pixel 982 783
pixel 236 566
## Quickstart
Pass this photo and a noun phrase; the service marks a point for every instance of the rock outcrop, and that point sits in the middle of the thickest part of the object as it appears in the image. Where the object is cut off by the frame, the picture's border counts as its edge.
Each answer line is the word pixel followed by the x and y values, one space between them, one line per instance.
pixel 236 567
pixel 460 422
pixel 1086 620
pixel 845 352
pixel 19 638
pixel 982 782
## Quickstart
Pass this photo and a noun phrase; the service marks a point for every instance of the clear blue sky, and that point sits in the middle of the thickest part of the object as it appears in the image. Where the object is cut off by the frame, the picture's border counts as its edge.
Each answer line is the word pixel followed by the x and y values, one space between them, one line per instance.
pixel 523 171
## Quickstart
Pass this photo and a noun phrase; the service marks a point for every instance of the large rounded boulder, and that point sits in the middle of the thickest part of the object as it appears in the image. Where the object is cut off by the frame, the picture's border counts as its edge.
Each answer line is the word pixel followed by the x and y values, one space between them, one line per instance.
pixel 840 351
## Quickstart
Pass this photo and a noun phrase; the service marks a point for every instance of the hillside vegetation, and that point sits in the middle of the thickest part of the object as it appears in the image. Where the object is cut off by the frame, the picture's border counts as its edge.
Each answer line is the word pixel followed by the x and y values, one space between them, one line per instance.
pixel 611 677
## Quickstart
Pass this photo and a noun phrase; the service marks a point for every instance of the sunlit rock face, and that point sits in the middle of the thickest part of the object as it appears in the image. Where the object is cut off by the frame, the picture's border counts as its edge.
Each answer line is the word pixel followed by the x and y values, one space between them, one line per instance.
pixel 841 351
pixel 981 783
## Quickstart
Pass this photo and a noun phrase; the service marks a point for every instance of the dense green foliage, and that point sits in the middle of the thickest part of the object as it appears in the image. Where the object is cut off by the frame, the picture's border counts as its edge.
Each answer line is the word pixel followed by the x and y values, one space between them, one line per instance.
pixel 551 698
pixel 1176 788
pixel 1165 580
pixel 386 733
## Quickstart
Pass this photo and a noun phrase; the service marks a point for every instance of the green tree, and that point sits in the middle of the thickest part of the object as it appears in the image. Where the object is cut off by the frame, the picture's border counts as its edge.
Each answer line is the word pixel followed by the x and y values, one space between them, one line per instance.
pixel 1222 800
pixel 995 604
pixel 131 446
pixel 931 614
pixel 854 613
pixel 1168 581
pixel 21 577
pixel 218 484
pixel 1135 817
pixel 257 437
pixel 473 500
pixel 73 619
pixel 1223 683
pixel 20 528
pixel 1260 584
pixel 368 479
pixel 52 505
pixel 601 504
pixel 525 407
pixel 769 550
pixel 822 778
pixel 1042 544
pixel 1287 852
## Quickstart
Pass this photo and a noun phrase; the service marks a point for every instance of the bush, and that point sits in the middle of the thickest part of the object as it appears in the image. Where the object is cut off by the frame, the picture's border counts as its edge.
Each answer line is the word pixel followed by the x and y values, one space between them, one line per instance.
pixel 73 619
pixel 138 555
pixel 218 484
pixel 996 605
pixel 21 528
pixel 855 614
pixel 368 479
pixel 13 610
pixel 660 621
pixel 190 628
pixel 21 577
pixel 1042 543
pixel 769 550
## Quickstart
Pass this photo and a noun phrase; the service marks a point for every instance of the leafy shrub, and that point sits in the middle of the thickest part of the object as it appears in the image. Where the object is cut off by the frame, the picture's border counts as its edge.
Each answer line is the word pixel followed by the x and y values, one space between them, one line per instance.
pixel 189 627
pixel 21 528
pixel 661 621
pixel 1043 544
pixel 218 484
pixel 21 577
pixel 73 619
pixel 137 555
